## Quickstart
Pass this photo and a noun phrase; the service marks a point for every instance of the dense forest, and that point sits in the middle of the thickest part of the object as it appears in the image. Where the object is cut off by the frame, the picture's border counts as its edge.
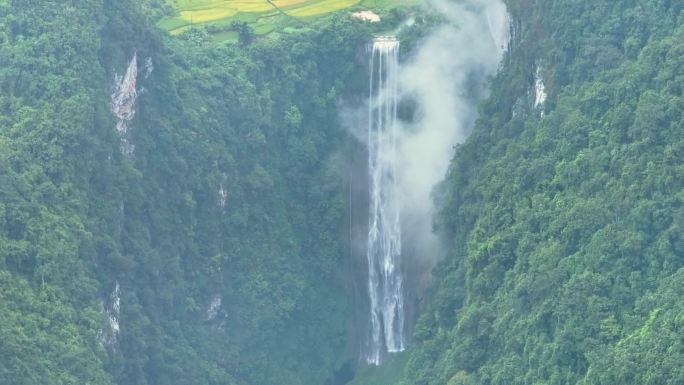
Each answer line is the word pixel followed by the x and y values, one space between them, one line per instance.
pixel 206 243
pixel 565 221
pixel 207 253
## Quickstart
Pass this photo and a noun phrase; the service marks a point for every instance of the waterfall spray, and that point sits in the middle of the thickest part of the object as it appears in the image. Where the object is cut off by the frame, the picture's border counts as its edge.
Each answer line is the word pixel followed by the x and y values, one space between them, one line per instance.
pixel 445 78
pixel 385 274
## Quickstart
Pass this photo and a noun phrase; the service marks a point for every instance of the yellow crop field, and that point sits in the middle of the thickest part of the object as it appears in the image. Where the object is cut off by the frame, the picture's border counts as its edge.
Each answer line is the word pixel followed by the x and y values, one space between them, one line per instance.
pixel 287 3
pixel 321 7
pixel 264 15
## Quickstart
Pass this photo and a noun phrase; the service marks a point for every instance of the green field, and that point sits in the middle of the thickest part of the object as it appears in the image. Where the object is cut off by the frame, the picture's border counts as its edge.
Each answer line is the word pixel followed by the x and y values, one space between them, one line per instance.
pixel 263 15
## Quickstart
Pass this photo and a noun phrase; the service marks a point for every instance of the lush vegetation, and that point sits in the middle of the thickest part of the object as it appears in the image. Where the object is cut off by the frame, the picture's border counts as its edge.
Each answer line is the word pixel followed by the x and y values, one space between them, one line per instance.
pixel 233 194
pixel 224 231
pixel 566 230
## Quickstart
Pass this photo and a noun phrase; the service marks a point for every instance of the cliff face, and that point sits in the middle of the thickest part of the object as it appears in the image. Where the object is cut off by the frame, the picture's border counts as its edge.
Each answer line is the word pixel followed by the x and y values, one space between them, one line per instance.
pixel 174 226
pixel 564 208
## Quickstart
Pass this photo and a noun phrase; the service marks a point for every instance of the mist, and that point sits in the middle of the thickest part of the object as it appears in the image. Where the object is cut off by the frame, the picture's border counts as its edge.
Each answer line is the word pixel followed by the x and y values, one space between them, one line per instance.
pixel 437 87
pixel 445 79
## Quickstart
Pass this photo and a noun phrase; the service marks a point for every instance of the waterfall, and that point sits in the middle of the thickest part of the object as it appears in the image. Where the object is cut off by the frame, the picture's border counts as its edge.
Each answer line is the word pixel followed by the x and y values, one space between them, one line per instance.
pixel 385 273
pixel 539 90
pixel 444 78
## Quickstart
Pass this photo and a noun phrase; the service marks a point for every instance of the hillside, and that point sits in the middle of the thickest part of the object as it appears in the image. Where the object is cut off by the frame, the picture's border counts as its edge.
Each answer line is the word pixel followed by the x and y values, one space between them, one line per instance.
pixel 150 232
pixel 564 217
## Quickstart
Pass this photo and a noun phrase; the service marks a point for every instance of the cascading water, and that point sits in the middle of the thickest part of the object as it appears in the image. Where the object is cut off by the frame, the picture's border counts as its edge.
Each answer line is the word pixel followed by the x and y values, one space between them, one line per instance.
pixel 444 78
pixel 385 273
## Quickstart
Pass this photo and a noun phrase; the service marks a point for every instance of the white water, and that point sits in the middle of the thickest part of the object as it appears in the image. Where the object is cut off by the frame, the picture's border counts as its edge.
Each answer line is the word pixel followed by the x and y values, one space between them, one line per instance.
pixel 539 90
pixel 445 77
pixel 385 275
pixel 223 196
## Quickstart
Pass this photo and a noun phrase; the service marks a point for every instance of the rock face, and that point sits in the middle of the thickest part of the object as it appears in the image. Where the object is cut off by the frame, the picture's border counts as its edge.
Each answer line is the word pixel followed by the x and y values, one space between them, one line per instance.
pixel 111 307
pixel 123 103
pixel 124 97
pixel 367 15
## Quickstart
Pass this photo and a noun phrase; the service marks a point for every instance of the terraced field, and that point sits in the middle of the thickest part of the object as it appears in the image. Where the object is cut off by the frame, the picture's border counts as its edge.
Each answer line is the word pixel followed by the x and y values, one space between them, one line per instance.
pixel 264 16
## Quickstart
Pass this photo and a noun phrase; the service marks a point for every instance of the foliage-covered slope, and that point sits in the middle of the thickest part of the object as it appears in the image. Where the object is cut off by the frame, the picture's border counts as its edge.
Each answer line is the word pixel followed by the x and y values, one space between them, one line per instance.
pixel 214 250
pixel 48 307
pixel 566 229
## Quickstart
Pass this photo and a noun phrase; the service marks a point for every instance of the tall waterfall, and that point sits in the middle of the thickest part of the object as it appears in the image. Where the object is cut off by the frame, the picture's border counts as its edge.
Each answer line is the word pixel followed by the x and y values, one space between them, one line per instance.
pixel 385 273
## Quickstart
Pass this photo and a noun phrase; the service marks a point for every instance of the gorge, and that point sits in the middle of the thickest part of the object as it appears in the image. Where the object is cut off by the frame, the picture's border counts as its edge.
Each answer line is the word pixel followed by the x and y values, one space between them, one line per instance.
pixel 452 192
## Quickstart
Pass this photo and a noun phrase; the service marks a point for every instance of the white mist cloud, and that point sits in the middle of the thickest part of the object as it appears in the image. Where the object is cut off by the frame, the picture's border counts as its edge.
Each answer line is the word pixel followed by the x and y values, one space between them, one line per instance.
pixel 443 79
pixel 448 68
